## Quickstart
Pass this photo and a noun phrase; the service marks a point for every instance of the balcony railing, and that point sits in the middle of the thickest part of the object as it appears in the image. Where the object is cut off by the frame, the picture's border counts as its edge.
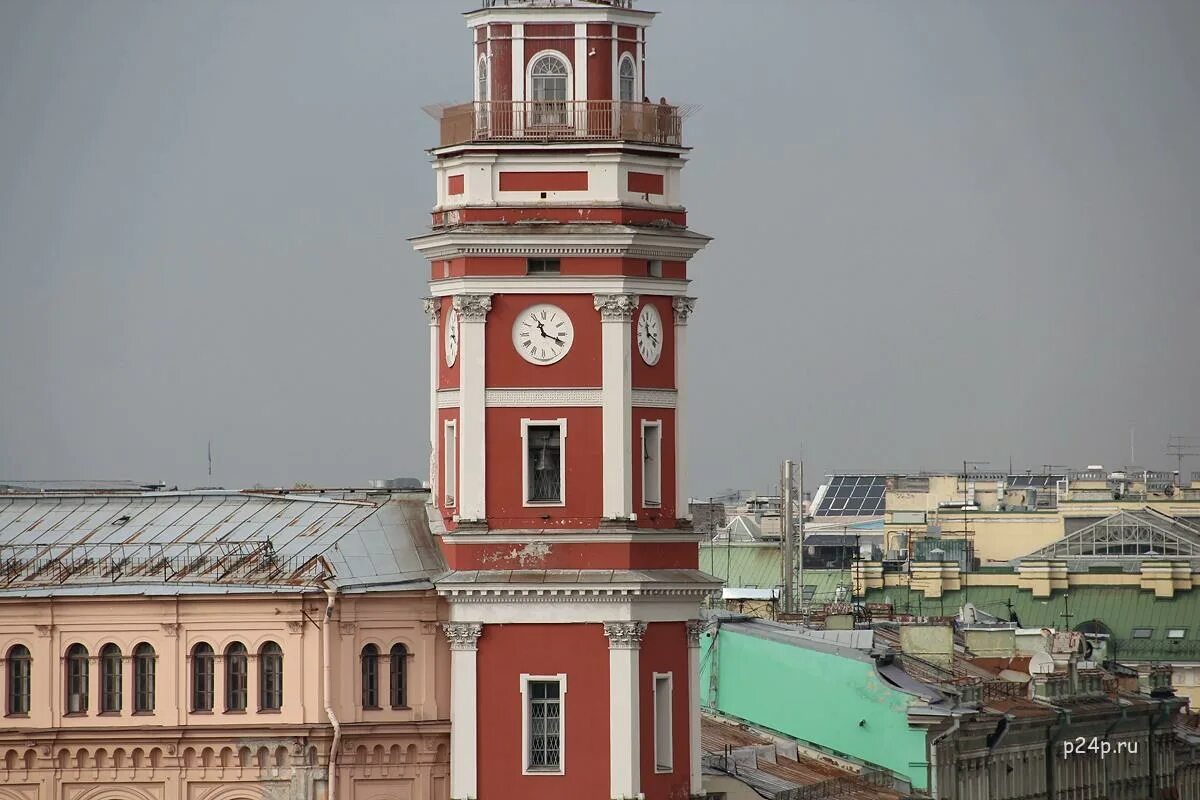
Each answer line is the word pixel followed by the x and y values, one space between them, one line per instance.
pixel 536 121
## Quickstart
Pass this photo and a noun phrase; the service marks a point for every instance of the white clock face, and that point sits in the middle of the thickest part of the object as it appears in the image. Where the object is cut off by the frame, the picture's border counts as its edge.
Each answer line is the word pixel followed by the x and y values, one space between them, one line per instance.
pixel 543 334
pixel 451 337
pixel 650 335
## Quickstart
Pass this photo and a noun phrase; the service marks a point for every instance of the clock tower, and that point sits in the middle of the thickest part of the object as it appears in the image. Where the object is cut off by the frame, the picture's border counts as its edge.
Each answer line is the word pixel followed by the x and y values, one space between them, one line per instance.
pixel 558 258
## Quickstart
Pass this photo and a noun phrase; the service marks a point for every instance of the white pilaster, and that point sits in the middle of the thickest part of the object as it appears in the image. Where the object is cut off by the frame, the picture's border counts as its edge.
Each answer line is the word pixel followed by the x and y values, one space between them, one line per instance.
pixel 624 708
pixel 464 709
pixel 694 628
pixel 616 400
pixel 683 309
pixel 433 311
pixel 472 315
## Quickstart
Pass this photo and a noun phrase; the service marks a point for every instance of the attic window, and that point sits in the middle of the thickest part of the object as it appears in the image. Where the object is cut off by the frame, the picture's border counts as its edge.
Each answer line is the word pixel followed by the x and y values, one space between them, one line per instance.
pixel 1176 633
pixel 542 266
pixel 1142 633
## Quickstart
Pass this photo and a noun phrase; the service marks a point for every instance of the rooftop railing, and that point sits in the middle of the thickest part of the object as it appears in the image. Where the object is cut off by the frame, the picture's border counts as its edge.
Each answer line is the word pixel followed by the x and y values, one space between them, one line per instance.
pixel 539 121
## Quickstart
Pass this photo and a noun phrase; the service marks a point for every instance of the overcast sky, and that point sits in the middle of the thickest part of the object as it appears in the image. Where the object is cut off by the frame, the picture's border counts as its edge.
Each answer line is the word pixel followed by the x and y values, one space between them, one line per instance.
pixel 944 230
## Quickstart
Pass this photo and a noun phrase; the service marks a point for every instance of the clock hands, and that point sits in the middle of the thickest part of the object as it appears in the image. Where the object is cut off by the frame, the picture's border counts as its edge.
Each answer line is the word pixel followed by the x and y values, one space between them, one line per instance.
pixel 545 335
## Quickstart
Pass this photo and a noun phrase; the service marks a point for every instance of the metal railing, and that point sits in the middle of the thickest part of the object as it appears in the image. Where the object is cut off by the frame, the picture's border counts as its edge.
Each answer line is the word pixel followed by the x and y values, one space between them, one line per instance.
pixel 596 120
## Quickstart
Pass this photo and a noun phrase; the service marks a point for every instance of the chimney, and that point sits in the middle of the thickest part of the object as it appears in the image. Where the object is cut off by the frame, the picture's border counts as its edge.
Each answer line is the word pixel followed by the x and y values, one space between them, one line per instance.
pixel 932 643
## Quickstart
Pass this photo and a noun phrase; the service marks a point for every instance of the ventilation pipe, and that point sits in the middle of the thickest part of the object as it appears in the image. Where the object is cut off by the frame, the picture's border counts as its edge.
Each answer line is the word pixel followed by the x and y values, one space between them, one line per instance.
pixel 327 672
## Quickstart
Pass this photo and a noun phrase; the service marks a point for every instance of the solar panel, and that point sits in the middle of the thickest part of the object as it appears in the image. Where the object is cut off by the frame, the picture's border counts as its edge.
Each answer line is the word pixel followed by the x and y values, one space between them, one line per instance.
pixel 1033 481
pixel 853 496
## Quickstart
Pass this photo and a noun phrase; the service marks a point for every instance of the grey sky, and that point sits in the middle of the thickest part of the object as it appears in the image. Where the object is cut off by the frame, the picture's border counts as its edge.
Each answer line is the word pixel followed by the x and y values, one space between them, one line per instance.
pixel 944 230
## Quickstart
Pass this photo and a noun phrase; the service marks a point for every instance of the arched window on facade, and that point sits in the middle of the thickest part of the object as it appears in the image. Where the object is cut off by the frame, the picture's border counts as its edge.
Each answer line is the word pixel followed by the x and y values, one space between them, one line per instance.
pixel 628 79
pixel 237 669
pixel 143 678
pixel 202 677
pixel 110 679
pixel 17 666
pixel 549 91
pixel 399 676
pixel 270 677
pixel 370 676
pixel 77 679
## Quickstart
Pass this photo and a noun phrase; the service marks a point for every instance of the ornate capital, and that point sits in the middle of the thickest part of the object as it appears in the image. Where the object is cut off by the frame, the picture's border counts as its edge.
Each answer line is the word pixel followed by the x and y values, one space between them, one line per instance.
pixel 684 306
pixel 433 308
pixel 463 635
pixel 347 628
pixel 44 631
pixel 694 628
pixel 624 635
pixel 472 307
pixel 169 628
pixel 616 307
pixel 295 626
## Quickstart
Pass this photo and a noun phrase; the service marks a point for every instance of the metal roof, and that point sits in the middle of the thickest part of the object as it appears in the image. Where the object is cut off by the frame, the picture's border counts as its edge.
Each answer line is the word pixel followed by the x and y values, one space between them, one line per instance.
pixel 213 541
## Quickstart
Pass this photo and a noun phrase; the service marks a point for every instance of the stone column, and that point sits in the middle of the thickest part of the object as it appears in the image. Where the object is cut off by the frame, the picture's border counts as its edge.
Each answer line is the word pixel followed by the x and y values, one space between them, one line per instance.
pixel 683 309
pixel 464 721
pixel 472 319
pixel 694 628
pixel 433 307
pixel 624 708
pixel 616 400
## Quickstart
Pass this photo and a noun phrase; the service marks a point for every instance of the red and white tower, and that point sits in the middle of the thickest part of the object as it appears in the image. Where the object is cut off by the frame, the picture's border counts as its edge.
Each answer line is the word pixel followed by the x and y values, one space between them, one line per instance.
pixel 558 318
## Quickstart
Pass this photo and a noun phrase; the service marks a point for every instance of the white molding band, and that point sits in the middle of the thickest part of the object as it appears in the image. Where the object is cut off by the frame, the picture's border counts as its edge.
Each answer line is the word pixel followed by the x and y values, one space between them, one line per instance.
pixel 624 708
pixel 464 708
pixel 557 398
pixel 563 284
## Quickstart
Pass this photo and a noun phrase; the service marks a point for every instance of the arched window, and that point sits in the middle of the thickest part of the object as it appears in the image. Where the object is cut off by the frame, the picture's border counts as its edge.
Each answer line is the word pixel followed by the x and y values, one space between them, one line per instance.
pixel 110 679
pixel 143 678
pixel 77 679
pixel 370 676
pixel 482 87
pixel 399 676
pixel 628 80
pixel 549 90
pixel 17 666
pixel 237 668
pixel 202 677
pixel 270 677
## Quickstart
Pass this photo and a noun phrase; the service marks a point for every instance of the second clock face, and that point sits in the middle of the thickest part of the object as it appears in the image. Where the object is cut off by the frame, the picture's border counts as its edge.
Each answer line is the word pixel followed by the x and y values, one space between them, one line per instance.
pixel 543 334
pixel 650 335
pixel 451 337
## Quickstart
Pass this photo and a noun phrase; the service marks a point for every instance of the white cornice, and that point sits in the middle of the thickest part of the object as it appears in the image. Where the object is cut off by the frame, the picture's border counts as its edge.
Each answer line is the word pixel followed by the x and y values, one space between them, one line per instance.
pixel 559 15
pixel 522 284
pixel 598 239
pixel 558 398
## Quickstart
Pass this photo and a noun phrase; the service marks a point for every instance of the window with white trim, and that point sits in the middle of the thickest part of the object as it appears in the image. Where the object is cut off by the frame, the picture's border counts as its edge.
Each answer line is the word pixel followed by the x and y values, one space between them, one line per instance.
pixel 628 79
pixel 543 723
pixel 651 462
pixel 1142 633
pixel 544 464
pixel 450 463
pixel 1176 633
pixel 482 88
pixel 663 761
pixel 549 90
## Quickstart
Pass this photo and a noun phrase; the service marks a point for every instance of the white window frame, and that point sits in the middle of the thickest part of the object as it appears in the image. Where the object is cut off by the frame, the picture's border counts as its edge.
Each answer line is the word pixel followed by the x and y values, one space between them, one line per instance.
pixel 530 102
pixel 450 463
pixel 561 422
pixel 526 679
pixel 661 765
pixel 627 59
pixel 1175 634
pixel 483 77
pixel 646 425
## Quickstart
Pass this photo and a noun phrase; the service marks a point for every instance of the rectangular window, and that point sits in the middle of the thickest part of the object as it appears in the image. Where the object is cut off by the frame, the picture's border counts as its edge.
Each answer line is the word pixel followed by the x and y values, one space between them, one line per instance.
pixel 1142 633
pixel 544 697
pixel 543 266
pixel 663 761
pixel 450 459
pixel 544 461
pixel 652 463
pixel 655 268
pixel 1176 633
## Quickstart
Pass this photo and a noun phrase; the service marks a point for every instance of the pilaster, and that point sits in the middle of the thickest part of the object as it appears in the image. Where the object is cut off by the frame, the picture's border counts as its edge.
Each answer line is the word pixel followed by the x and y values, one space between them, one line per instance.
pixel 683 310
pixel 696 785
pixel 433 307
pixel 464 708
pixel 624 644
pixel 616 400
pixel 472 319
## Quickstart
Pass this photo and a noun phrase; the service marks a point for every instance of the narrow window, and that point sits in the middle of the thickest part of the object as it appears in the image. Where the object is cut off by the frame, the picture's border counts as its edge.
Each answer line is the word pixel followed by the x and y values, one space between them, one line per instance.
pixel 399 676
pixel 17 666
pixel 77 679
pixel 655 268
pixel 548 91
pixel 545 726
pixel 370 676
pixel 651 463
pixel 483 96
pixel 143 678
pixel 450 462
pixel 236 668
pixel 628 80
pixel 543 463
pixel 662 723
pixel 110 679
pixel 270 677
pixel 202 677
pixel 543 266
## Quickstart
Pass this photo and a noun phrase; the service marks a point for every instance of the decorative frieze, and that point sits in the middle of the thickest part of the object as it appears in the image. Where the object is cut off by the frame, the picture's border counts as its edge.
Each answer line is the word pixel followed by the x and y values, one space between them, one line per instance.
pixel 463 635
pixel 624 635
pixel 684 306
pixel 472 307
pixel 616 307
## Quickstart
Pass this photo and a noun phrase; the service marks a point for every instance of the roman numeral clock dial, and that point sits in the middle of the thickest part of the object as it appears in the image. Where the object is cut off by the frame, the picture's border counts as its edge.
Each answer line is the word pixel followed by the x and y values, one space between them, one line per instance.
pixel 543 334
pixel 650 335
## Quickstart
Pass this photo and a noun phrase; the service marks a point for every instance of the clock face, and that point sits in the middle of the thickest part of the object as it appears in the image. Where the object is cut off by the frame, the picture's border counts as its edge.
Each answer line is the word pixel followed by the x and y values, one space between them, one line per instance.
pixel 650 335
pixel 543 334
pixel 451 337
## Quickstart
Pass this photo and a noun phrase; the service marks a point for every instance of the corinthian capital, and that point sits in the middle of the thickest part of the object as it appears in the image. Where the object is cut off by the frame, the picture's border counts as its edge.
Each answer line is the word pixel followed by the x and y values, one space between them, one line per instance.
pixel 433 307
pixel 683 309
pixel 624 635
pixel 472 307
pixel 616 307
pixel 694 628
pixel 463 635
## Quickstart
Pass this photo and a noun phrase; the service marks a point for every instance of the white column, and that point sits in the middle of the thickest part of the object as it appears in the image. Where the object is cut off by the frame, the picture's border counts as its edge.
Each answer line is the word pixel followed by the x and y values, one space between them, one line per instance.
pixel 464 709
pixel 616 400
pixel 624 708
pixel 694 627
pixel 472 315
pixel 433 307
pixel 683 309
pixel 518 78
